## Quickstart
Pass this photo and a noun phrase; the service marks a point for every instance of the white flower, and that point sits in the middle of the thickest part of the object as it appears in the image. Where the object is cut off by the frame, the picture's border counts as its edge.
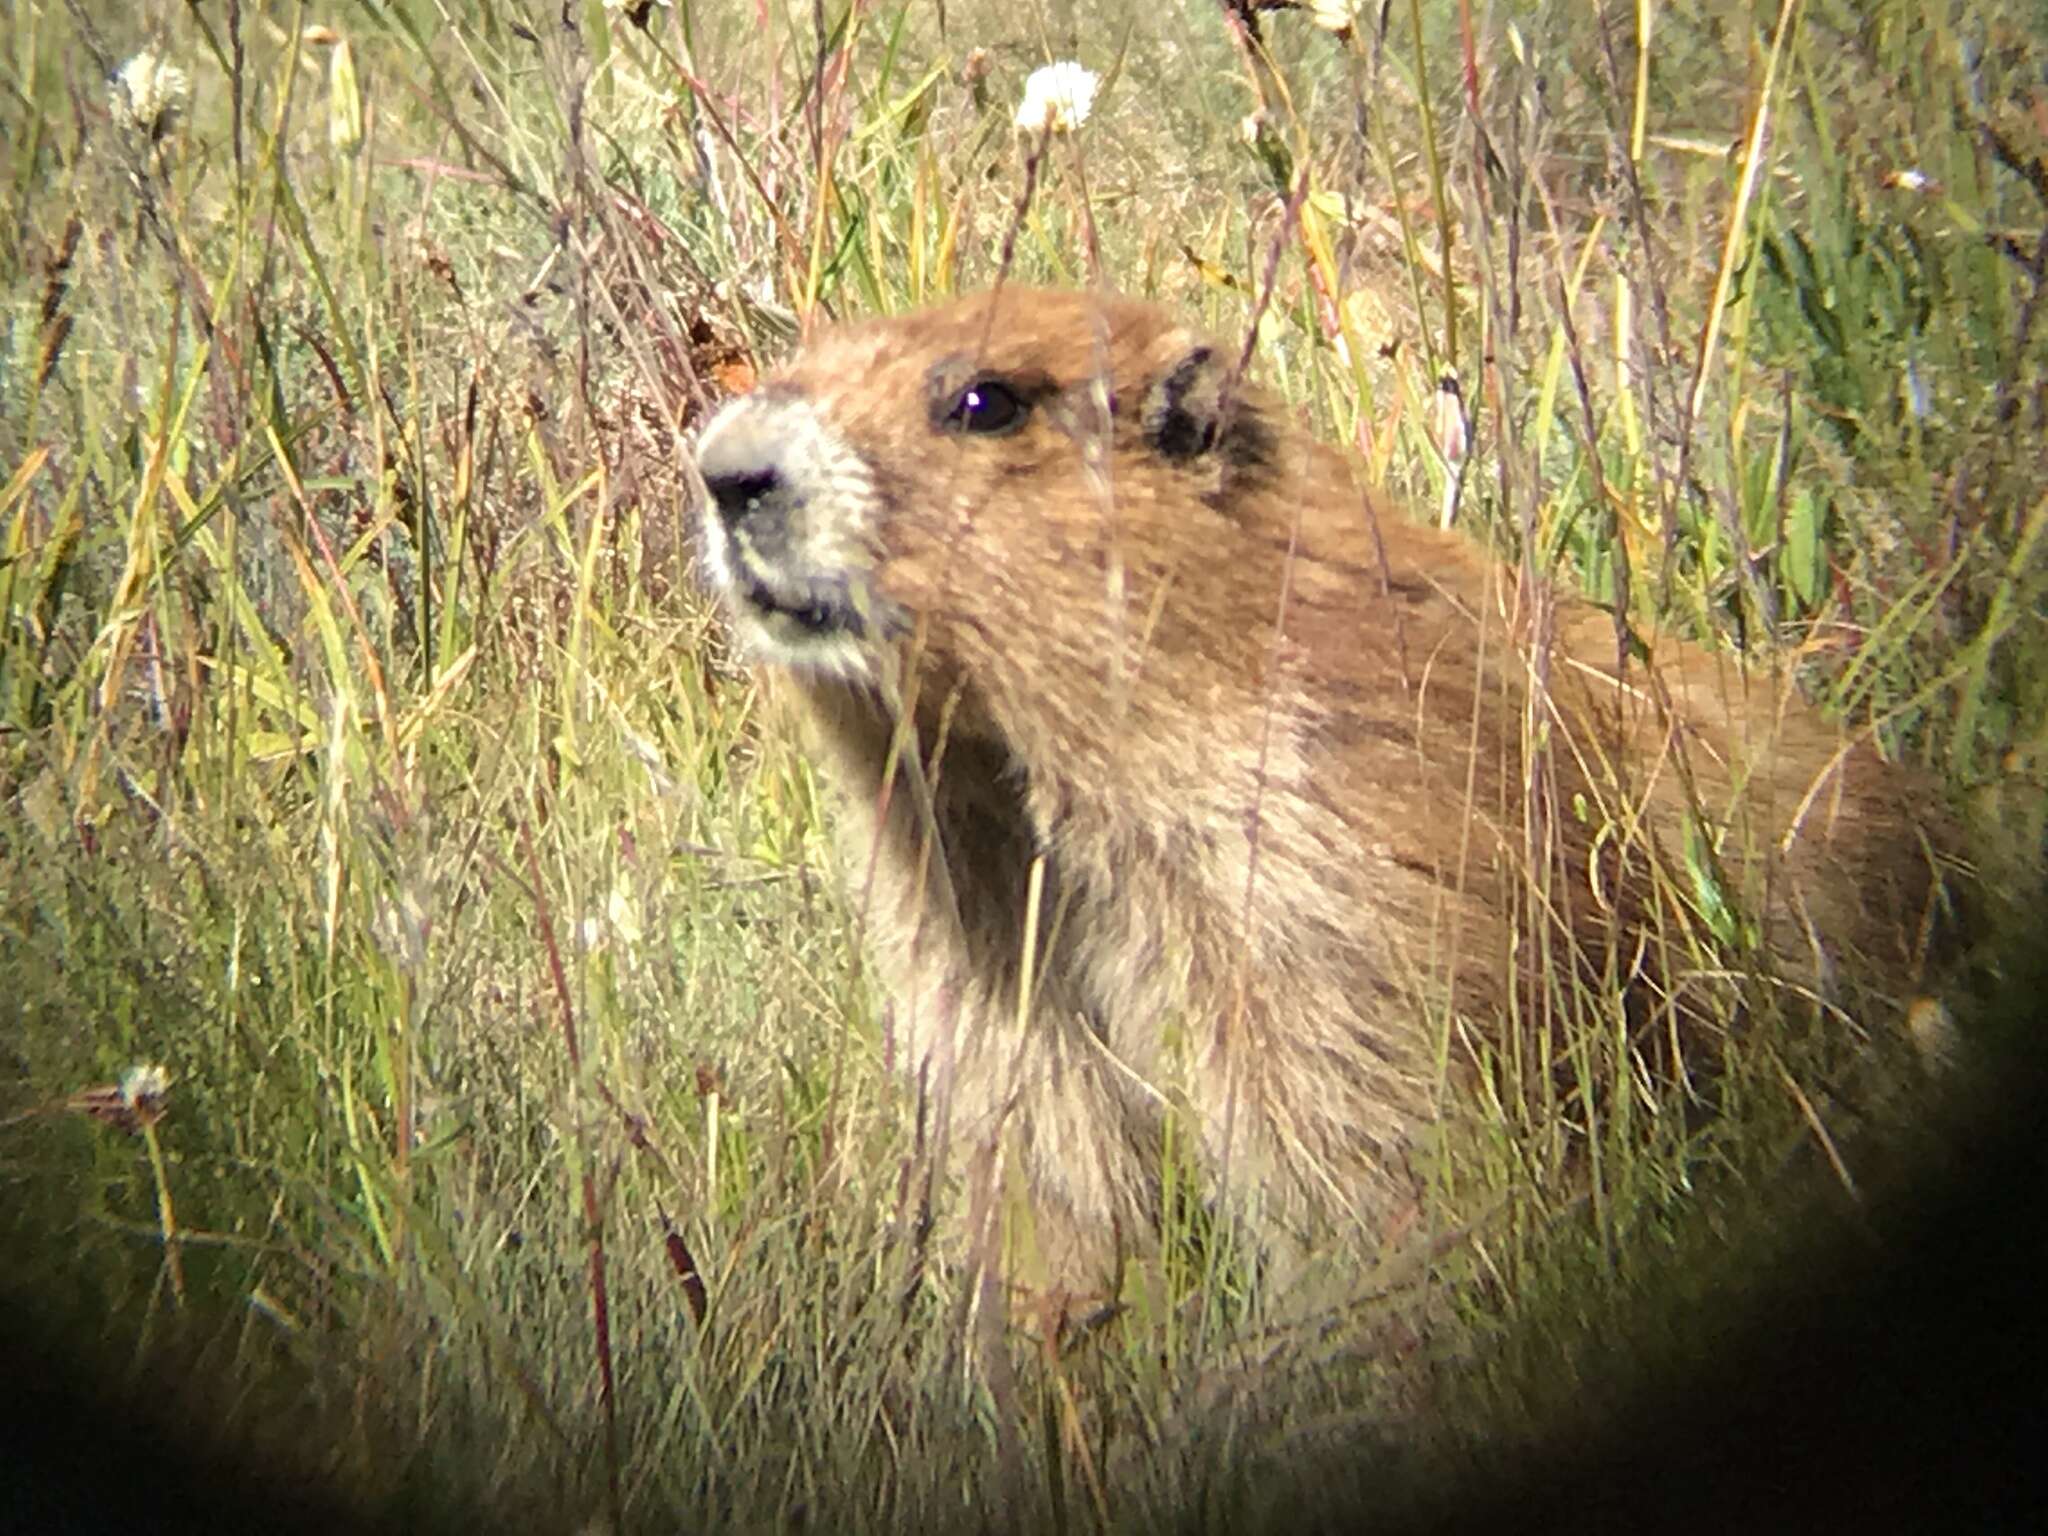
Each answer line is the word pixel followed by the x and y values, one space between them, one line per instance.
pixel 1057 97
pixel 147 94
pixel 1333 15
pixel 143 1083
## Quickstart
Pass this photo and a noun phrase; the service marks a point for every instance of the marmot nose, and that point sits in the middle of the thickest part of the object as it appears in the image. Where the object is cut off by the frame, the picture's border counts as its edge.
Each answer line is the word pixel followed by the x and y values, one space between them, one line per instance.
pixel 741 459
pixel 741 494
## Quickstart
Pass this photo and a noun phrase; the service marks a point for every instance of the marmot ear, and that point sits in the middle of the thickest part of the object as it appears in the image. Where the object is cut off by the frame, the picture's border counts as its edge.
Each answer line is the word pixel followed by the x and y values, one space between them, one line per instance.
pixel 1183 408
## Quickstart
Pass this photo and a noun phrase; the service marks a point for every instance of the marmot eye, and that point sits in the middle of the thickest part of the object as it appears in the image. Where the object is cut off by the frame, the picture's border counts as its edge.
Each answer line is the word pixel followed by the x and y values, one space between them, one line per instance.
pixel 989 407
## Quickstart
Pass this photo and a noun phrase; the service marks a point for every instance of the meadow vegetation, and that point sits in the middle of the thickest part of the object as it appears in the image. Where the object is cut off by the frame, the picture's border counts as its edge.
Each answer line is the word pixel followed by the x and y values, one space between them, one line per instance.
pixel 373 768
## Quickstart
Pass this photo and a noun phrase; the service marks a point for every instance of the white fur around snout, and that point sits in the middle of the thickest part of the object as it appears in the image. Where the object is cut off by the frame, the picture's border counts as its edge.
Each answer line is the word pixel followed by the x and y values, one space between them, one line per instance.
pixel 830 494
pixel 713 556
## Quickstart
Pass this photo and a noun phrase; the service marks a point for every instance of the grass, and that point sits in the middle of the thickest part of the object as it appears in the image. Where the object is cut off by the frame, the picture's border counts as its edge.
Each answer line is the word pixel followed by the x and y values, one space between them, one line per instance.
pixel 372 765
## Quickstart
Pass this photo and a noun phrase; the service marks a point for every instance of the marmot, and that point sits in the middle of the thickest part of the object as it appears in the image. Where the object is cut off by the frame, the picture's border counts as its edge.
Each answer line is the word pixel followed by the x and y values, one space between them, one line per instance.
pixel 1171 775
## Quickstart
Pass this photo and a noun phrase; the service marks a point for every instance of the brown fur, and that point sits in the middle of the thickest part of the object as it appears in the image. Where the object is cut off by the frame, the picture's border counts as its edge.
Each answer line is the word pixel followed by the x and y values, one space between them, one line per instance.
pixel 1297 771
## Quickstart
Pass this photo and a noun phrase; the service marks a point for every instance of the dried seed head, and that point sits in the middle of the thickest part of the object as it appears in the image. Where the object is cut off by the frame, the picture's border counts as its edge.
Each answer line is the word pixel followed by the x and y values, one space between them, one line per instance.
pixel 148 94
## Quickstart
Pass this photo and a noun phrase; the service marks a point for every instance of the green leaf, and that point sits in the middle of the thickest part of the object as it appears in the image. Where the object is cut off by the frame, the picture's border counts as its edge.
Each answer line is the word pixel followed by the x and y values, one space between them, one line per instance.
pixel 1804 556
pixel 1707 896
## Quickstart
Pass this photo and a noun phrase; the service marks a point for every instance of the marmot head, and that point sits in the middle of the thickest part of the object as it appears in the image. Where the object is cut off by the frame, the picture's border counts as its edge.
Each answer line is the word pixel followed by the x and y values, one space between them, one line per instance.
pixel 1024 474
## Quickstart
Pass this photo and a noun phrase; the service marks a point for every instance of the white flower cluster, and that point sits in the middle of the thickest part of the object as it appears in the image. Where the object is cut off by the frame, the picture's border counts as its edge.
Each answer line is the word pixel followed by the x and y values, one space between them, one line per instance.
pixel 1058 97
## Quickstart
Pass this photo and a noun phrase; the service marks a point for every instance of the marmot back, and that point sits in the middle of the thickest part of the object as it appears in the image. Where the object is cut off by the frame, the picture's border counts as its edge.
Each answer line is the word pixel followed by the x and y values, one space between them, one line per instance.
pixel 1172 771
